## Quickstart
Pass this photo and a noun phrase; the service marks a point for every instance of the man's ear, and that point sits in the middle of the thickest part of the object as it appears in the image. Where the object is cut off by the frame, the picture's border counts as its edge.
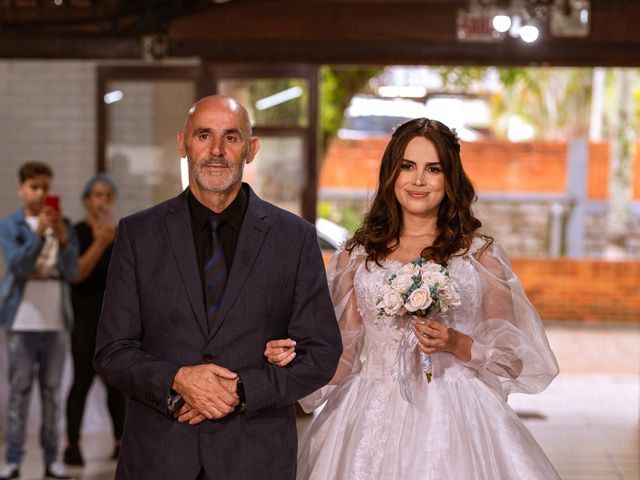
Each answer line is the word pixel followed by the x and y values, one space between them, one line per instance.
pixel 181 149
pixel 254 146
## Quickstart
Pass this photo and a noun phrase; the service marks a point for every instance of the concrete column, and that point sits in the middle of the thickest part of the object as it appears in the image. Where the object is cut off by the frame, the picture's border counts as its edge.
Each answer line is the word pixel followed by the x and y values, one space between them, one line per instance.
pixel 577 176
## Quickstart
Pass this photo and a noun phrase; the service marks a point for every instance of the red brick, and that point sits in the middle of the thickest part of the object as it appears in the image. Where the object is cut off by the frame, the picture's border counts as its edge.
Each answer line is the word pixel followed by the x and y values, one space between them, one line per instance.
pixel 493 165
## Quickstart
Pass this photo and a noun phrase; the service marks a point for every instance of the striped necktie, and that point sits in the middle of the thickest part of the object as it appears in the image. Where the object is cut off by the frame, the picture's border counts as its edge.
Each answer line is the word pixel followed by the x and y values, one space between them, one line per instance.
pixel 215 272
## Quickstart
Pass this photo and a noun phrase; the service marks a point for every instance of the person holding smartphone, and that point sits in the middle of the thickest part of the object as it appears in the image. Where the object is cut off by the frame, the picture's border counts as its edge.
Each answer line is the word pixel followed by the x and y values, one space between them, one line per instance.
pixel 95 237
pixel 41 253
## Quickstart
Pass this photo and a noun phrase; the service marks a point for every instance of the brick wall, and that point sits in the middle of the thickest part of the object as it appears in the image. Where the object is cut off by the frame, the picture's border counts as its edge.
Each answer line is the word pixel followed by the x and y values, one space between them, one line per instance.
pixel 522 227
pixel 577 290
pixel 582 290
pixel 519 185
pixel 501 166
pixel 493 165
pixel 598 186
pixel 48 113
pixel 352 163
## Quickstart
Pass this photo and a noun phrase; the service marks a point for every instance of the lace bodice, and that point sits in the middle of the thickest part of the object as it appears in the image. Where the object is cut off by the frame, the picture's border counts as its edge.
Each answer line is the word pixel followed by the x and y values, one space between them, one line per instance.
pixel 383 333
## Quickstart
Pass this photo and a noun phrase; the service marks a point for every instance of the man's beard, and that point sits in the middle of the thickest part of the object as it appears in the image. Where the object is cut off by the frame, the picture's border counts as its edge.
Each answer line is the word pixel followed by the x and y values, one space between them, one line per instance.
pixel 205 181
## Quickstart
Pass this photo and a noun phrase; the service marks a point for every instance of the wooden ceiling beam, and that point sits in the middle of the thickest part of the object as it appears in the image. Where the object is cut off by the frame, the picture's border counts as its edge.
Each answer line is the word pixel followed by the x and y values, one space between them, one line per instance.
pixel 349 32
pixel 566 53
pixel 69 47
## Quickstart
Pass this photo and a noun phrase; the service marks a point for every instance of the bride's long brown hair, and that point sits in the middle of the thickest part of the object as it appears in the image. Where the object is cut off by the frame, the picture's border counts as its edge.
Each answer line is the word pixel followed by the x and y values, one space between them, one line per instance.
pixel 379 233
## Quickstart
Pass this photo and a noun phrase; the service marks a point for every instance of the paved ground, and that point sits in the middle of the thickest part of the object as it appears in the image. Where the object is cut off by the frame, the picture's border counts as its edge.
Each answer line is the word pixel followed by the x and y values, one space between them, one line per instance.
pixel 587 420
pixel 590 413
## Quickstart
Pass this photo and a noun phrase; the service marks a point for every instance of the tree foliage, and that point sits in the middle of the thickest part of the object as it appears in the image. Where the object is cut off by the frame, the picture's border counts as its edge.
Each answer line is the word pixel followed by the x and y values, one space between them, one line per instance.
pixel 554 101
pixel 338 86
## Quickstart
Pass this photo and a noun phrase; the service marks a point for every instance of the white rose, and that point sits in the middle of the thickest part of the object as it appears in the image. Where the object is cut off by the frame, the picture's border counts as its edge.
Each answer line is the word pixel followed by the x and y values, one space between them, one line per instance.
pixel 430 267
pixel 408 269
pixel 434 277
pixel 402 282
pixel 448 294
pixel 418 300
pixel 391 301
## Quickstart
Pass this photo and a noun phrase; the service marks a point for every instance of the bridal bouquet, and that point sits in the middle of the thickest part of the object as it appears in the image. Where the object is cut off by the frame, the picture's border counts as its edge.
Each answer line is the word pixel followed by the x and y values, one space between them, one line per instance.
pixel 421 288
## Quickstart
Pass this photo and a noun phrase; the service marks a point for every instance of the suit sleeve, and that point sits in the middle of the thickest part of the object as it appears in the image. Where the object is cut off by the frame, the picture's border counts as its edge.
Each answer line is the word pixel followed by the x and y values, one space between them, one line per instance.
pixel 318 345
pixel 119 355
pixel 341 275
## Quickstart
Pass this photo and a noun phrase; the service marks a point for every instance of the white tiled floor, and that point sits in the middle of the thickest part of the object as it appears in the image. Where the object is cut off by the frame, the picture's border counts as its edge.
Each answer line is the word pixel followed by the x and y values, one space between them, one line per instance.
pixel 587 420
pixel 590 428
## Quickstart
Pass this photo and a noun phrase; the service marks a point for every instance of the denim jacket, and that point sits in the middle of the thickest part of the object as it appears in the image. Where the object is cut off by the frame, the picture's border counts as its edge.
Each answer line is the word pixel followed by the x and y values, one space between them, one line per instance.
pixel 21 247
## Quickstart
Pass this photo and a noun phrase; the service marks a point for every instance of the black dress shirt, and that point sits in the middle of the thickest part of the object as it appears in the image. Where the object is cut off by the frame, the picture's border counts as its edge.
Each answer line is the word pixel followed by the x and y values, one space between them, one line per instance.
pixel 229 230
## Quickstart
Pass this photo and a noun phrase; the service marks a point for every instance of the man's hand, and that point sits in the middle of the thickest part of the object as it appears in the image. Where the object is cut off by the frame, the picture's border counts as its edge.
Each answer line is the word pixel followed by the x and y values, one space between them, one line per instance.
pixel 208 389
pixel 280 352
pixel 189 414
pixel 59 229
pixel 51 218
pixel 46 219
pixel 104 233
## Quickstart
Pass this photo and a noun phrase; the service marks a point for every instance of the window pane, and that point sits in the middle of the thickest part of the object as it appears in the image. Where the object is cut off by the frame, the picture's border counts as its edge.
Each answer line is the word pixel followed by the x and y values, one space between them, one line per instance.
pixel 277 174
pixel 141 149
pixel 275 102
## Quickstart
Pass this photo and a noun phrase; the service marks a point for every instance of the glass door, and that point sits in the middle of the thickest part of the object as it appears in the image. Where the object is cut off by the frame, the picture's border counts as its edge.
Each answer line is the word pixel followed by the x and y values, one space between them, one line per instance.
pixel 141 109
pixel 282 104
pixel 141 112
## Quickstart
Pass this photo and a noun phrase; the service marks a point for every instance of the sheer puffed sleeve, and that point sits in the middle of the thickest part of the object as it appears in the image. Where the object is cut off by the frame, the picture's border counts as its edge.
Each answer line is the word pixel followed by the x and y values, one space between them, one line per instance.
pixel 340 275
pixel 510 349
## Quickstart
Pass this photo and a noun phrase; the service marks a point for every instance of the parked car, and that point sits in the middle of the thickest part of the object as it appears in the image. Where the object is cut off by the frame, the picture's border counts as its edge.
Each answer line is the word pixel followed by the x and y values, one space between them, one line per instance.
pixel 330 234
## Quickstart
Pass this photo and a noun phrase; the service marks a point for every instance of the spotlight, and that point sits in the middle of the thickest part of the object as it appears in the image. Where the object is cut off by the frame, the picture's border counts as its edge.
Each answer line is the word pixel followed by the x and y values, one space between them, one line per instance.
pixel 501 23
pixel 529 33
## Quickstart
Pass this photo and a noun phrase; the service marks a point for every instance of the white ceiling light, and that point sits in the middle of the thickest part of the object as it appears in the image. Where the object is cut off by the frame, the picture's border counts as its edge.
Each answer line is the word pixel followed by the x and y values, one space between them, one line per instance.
pixel 113 96
pixel 501 22
pixel 278 98
pixel 490 20
pixel 529 33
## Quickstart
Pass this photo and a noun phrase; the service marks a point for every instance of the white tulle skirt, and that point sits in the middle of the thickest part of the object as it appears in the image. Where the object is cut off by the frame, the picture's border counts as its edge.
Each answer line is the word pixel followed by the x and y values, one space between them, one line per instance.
pixel 456 429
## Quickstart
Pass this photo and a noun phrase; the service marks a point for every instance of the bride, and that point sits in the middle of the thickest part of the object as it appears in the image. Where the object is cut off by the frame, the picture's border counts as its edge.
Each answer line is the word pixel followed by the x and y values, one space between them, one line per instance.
pixel 382 423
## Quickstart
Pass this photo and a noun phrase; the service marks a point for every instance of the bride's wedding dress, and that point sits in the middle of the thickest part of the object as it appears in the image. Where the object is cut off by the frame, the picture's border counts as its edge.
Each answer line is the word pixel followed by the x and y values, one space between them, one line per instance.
pixel 459 426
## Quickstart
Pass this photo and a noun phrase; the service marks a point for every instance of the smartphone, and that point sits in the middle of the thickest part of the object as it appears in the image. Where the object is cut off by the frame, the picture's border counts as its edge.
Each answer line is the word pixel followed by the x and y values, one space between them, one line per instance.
pixel 52 201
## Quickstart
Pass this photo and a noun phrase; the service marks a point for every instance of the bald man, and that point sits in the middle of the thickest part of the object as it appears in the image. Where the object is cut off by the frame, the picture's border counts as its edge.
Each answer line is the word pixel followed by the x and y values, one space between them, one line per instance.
pixel 186 344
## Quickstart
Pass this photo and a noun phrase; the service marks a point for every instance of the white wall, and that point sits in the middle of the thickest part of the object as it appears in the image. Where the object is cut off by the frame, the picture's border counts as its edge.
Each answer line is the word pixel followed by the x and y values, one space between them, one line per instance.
pixel 47 113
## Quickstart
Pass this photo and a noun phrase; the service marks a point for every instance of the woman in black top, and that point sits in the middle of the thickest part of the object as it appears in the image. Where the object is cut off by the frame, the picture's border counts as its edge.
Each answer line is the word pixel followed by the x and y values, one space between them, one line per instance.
pixel 95 237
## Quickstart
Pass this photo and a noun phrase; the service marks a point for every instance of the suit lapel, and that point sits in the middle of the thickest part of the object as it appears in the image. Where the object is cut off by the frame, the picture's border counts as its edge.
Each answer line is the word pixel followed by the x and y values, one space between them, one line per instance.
pixel 178 223
pixel 255 225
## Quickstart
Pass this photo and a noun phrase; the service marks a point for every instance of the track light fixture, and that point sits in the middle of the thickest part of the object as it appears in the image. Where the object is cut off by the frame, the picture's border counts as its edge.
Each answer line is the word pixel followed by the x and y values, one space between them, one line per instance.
pixel 493 20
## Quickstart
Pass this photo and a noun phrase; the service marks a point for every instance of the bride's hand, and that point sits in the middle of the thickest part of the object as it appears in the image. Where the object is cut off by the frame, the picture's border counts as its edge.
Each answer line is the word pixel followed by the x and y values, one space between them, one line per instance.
pixel 434 336
pixel 280 352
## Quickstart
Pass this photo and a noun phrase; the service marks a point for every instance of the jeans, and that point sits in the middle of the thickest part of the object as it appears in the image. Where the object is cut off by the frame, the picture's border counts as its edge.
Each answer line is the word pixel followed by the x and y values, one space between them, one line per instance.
pixel 29 352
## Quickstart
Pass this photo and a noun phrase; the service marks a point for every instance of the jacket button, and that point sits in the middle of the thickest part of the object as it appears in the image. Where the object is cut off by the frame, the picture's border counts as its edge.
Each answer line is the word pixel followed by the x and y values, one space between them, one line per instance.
pixel 207 357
